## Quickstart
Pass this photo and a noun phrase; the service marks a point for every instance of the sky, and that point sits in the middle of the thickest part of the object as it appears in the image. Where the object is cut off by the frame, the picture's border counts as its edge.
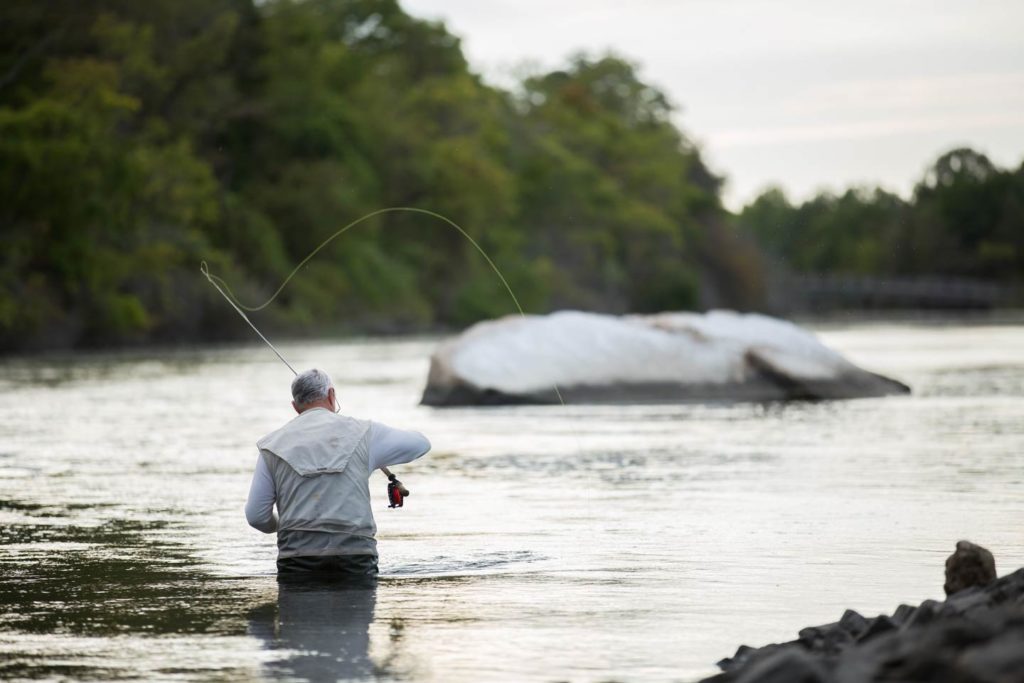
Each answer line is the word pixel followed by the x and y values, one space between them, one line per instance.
pixel 804 94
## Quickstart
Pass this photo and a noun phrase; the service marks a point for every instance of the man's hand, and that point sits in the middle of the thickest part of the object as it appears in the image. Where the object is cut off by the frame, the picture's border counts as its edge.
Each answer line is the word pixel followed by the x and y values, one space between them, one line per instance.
pixel 394 480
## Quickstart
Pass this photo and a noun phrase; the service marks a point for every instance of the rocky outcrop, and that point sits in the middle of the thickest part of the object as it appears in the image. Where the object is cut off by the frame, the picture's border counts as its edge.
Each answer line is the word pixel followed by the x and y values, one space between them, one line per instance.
pixel 969 565
pixel 667 357
pixel 976 635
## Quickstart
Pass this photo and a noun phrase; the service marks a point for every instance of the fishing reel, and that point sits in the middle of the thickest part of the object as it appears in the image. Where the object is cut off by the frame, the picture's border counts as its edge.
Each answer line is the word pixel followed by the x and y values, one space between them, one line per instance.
pixel 396 492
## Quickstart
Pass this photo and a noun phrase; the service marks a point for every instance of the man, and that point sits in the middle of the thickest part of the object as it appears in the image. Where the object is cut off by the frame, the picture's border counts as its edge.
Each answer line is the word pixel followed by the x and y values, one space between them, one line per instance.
pixel 317 469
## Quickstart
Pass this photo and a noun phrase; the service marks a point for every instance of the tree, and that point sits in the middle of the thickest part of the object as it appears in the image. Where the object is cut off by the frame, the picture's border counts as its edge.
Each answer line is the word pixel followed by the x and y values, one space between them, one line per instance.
pixel 138 138
pixel 964 219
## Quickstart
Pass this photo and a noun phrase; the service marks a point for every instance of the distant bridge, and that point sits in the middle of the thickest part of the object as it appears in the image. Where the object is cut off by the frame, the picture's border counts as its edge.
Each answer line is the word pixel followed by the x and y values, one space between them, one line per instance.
pixel 813 292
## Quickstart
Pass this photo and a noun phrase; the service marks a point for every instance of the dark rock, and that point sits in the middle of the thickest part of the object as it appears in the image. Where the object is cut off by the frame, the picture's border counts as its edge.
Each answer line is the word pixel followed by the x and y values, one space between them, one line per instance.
pixel 853 623
pixel 1000 659
pixel 969 565
pixel 829 638
pixel 950 650
pixel 743 652
pixel 967 601
pixel 902 614
pixel 810 636
pixel 789 665
pixel 975 636
pixel 924 614
pixel 882 624
pixel 746 656
pixel 1007 589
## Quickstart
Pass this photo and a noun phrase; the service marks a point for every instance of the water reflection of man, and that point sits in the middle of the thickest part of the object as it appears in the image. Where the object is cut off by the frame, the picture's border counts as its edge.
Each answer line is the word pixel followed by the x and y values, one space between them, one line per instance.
pixel 325 627
pixel 316 469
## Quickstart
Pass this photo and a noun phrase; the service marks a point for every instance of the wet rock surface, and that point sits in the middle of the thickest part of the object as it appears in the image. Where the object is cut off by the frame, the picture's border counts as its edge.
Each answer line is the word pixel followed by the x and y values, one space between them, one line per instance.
pixel 970 565
pixel 975 635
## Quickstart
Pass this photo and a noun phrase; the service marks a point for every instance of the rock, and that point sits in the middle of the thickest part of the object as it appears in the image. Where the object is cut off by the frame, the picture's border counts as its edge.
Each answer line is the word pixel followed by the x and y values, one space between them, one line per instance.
pixel 786 666
pixel 828 639
pixel 878 625
pixel 969 565
pixel 902 613
pixel 975 636
pixel 925 613
pixel 853 623
pixel 667 357
pixel 999 659
pixel 953 649
pixel 969 600
pixel 738 659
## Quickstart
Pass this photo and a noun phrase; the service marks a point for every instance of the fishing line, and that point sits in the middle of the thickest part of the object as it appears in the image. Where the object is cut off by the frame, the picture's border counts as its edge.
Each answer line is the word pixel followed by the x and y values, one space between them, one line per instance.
pixel 205 270
pixel 241 308
pixel 225 291
pixel 214 280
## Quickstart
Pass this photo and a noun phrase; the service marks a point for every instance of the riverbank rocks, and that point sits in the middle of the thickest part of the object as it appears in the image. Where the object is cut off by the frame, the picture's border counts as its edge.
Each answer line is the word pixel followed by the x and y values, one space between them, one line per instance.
pixel 969 565
pixel 976 635
pixel 668 357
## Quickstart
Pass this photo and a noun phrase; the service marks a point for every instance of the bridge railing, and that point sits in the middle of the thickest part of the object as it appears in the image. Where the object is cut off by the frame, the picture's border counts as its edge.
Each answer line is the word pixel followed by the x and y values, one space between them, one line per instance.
pixel 817 292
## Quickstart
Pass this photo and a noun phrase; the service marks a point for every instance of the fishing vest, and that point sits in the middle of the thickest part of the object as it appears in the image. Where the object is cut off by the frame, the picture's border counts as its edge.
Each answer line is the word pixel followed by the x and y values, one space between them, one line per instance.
pixel 320 463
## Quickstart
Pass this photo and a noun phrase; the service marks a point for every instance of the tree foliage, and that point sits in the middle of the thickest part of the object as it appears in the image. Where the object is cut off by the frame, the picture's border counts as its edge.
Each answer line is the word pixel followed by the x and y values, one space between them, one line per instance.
pixel 138 138
pixel 965 219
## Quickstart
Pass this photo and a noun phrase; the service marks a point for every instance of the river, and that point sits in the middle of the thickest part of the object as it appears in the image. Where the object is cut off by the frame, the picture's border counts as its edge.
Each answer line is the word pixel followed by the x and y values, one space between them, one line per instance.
pixel 580 543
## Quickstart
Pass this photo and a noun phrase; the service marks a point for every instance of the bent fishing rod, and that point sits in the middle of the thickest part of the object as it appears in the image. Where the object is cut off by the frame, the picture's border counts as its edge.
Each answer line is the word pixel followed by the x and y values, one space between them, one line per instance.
pixel 396 491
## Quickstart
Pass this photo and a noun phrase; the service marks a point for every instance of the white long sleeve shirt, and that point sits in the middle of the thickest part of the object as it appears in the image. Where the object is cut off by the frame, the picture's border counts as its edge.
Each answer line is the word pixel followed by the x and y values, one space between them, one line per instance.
pixel 388 446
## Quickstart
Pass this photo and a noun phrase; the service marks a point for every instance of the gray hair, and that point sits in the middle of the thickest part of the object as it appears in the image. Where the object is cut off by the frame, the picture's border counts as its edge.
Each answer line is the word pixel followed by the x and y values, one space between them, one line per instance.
pixel 310 386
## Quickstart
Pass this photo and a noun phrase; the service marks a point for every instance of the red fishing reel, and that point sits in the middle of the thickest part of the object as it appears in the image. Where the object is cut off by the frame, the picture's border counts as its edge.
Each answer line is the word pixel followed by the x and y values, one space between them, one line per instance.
pixel 396 492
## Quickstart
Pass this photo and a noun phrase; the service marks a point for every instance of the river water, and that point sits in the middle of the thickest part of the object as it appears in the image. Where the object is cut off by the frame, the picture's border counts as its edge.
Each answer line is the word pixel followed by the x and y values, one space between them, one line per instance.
pixel 588 543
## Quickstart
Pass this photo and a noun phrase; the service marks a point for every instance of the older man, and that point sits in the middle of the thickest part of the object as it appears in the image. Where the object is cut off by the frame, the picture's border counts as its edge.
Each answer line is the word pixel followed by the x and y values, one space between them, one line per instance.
pixel 317 468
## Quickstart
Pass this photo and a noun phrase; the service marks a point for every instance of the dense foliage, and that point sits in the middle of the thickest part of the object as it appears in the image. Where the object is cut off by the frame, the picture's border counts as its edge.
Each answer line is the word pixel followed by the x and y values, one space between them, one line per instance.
pixel 965 219
pixel 138 138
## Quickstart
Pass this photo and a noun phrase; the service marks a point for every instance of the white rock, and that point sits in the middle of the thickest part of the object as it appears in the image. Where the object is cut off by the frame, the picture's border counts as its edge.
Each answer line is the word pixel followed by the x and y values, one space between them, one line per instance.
pixel 685 356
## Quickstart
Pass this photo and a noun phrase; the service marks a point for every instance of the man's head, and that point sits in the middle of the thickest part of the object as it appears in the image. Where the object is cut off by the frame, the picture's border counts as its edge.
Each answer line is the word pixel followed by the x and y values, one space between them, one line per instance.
pixel 313 389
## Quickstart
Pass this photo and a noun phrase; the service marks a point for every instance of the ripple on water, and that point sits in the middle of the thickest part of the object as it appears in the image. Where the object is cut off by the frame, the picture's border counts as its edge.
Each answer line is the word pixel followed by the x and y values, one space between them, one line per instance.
pixel 452 567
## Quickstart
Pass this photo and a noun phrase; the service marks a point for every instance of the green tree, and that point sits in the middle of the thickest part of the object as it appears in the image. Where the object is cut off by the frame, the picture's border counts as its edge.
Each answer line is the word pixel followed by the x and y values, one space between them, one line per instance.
pixel 139 138
pixel 606 187
pixel 964 219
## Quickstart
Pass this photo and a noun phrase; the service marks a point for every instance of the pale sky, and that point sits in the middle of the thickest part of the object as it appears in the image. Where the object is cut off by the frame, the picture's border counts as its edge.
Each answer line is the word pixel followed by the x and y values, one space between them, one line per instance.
pixel 806 94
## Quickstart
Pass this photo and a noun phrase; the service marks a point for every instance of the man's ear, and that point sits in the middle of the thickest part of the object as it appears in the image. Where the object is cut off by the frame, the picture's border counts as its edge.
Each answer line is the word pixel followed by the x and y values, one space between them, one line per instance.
pixel 296 408
pixel 332 397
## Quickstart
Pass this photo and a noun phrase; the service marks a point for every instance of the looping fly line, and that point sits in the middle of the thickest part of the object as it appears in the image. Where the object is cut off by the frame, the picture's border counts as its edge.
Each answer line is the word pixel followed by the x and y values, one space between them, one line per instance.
pixel 225 291
pixel 223 288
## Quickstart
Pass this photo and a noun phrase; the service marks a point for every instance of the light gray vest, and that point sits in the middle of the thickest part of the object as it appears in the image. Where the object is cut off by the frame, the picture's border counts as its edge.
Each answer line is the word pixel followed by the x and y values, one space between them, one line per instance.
pixel 320 463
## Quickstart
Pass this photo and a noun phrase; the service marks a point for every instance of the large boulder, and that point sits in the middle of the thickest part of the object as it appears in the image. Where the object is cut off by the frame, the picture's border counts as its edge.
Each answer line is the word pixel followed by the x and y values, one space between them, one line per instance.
pixel 970 565
pixel 595 358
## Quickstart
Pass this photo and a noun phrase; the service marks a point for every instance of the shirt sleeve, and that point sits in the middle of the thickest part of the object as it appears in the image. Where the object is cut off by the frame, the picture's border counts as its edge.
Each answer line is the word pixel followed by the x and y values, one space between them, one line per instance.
pixel 390 446
pixel 259 508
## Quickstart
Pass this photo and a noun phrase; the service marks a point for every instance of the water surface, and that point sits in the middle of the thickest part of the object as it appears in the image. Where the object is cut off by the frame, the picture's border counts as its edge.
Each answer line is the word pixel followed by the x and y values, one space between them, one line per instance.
pixel 588 543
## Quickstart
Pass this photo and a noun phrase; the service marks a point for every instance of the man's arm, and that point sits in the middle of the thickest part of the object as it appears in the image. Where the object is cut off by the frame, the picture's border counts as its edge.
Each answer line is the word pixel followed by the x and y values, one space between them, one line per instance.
pixel 259 509
pixel 390 446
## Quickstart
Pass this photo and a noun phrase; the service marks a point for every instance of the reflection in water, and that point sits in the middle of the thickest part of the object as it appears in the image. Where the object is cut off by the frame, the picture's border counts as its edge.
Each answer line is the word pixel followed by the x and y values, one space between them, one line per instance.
pixel 73 594
pixel 324 627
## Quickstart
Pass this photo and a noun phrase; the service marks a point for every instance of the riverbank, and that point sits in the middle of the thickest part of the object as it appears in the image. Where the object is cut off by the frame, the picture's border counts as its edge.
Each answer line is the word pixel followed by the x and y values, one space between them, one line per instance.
pixel 241 337
pixel 976 635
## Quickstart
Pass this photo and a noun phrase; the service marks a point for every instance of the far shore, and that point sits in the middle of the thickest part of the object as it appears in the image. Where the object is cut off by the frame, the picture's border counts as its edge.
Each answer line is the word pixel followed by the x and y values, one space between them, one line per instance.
pixel 816 321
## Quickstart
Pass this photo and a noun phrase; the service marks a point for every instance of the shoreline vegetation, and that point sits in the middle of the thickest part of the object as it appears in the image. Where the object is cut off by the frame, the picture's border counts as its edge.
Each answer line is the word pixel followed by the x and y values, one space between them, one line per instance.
pixel 137 139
